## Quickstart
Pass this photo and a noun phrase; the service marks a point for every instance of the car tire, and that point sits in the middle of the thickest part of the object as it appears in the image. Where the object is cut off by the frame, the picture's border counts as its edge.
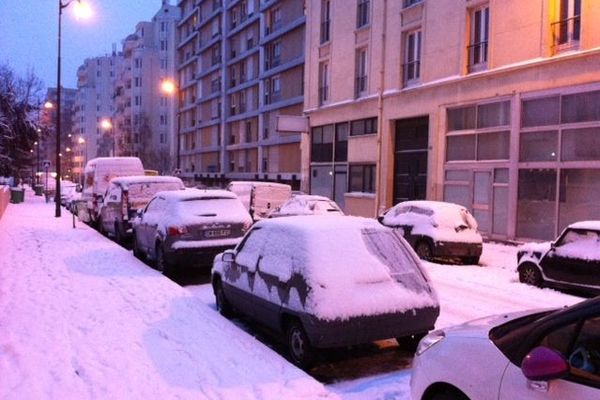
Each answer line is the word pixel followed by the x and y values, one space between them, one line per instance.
pixel 449 394
pixel 300 351
pixel 470 260
pixel 160 264
pixel 118 234
pixel 137 252
pixel 223 305
pixel 423 250
pixel 411 342
pixel 530 274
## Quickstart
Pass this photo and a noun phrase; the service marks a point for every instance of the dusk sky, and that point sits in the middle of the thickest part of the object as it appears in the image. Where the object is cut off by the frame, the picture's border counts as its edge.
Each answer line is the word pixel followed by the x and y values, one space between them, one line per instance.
pixel 29 34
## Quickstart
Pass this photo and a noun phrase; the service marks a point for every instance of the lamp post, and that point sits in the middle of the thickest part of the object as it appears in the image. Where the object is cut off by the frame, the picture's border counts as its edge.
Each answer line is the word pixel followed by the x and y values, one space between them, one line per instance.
pixel 82 11
pixel 107 126
pixel 169 87
pixel 81 141
pixel 37 168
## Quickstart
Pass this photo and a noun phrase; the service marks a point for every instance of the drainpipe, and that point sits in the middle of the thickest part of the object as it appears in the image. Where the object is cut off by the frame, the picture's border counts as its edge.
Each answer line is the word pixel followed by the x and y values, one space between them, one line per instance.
pixel 378 174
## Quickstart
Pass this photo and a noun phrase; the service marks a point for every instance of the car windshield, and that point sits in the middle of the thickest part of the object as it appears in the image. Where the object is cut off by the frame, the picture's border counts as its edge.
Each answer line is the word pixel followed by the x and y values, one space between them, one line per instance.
pixel 208 206
pixel 387 246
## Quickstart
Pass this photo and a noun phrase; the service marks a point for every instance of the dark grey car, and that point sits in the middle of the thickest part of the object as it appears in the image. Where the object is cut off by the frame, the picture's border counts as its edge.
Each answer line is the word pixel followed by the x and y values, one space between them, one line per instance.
pixel 325 282
pixel 187 227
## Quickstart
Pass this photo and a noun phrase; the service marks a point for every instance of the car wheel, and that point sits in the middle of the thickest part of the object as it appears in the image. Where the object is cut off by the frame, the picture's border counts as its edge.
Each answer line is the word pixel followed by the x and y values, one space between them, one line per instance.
pixel 449 394
pixel 223 305
pixel 300 350
pixel 137 252
pixel 423 250
pixel 530 275
pixel 470 260
pixel 160 263
pixel 411 342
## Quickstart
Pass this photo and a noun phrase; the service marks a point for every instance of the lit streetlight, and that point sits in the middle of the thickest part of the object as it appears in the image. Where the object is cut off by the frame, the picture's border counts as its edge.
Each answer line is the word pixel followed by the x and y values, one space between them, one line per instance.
pixel 81 11
pixel 107 126
pixel 169 87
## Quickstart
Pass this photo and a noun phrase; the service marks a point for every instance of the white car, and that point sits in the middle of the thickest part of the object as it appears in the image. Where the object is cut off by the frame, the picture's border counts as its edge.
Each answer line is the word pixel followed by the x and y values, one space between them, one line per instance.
pixel 540 355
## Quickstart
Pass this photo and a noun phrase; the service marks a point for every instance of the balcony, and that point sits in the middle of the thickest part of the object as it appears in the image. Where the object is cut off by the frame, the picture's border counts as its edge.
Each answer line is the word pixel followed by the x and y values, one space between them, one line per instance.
pixel 566 33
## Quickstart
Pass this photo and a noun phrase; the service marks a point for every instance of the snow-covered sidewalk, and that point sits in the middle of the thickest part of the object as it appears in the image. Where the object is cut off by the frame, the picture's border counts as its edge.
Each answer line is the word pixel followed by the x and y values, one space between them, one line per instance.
pixel 81 318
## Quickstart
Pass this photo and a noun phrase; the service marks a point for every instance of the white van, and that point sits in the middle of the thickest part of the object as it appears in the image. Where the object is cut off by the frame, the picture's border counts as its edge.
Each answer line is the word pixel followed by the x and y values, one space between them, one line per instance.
pixel 260 198
pixel 98 173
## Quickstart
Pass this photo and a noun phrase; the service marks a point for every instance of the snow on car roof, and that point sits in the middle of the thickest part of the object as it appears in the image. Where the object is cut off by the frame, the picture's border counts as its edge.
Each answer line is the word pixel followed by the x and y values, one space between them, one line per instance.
pixel 436 206
pixel 345 275
pixel 128 180
pixel 258 183
pixel 591 225
pixel 191 193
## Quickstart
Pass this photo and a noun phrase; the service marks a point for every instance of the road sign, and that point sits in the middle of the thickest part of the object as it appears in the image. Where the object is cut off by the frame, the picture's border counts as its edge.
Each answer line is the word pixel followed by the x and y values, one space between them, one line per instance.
pixel 46 164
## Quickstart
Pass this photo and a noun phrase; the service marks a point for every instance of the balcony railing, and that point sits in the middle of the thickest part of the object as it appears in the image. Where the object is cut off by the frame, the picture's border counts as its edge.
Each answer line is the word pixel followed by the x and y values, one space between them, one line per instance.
pixel 478 56
pixel 566 32
pixel 411 71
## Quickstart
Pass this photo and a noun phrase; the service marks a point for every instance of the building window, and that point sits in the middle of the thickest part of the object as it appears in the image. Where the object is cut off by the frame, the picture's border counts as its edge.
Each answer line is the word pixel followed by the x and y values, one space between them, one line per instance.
pixel 408 3
pixel 163 63
pixel 163 45
pixel 273 55
pixel 138 100
pixel 566 31
pixel 216 54
pixel 362 178
pixel 478 47
pixel 138 63
pixel 362 13
pixel 412 57
pixel 323 83
pixel 325 21
pixel 272 90
pixel 361 72
pixel 322 144
pixel 366 126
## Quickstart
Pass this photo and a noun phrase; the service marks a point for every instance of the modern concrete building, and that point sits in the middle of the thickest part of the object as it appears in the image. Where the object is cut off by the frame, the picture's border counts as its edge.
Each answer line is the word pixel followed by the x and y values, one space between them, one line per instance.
pixel 144 120
pixel 240 66
pixel 492 104
pixel 94 101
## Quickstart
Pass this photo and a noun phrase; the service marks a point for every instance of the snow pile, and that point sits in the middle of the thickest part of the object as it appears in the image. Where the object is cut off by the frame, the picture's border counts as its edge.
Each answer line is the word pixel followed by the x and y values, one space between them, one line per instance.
pixel 81 318
pixel 444 222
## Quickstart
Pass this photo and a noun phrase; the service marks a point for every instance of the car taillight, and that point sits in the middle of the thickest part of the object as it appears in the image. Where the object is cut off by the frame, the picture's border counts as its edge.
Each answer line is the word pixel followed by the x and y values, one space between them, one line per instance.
pixel 176 230
pixel 246 226
pixel 125 205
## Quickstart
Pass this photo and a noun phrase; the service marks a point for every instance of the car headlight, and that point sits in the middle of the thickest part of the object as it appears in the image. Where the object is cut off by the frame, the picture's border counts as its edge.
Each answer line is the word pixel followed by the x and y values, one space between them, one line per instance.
pixel 428 341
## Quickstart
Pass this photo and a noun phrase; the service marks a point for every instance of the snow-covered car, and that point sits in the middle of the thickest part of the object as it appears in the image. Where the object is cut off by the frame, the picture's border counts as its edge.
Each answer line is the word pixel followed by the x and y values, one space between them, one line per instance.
pixel 544 355
pixel 437 229
pixel 307 205
pixel 185 227
pixel 326 282
pixel 570 262
pixel 124 196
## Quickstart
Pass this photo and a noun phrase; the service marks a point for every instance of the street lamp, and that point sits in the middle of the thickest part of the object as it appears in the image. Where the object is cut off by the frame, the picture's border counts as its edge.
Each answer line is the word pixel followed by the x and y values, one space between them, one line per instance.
pixel 107 126
pixel 169 87
pixel 37 168
pixel 83 12
pixel 81 141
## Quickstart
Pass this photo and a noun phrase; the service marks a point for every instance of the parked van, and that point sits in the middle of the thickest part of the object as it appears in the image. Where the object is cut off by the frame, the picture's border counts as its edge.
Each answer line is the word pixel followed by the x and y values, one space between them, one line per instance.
pixel 98 173
pixel 127 194
pixel 260 198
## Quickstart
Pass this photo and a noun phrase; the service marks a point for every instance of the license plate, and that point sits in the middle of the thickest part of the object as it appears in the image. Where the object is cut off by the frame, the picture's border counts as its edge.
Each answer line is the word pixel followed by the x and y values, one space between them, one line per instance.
pixel 217 233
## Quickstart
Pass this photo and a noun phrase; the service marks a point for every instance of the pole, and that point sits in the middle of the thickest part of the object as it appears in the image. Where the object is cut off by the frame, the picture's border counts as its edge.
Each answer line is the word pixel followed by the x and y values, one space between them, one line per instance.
pixel 37 170
pixel 57 191
pixel 112 133
pixel 178 139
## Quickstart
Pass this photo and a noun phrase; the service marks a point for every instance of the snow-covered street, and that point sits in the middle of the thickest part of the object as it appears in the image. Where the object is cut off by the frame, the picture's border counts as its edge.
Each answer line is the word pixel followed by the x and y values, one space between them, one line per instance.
pixel 81 318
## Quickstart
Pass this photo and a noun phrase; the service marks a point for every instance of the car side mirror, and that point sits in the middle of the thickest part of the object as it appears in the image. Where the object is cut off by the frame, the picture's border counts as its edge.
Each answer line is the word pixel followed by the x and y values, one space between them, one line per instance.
pixel 228 256
pixel 544 364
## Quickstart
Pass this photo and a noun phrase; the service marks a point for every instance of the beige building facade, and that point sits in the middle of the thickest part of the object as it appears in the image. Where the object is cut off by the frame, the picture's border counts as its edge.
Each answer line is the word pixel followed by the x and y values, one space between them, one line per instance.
pixel 490 104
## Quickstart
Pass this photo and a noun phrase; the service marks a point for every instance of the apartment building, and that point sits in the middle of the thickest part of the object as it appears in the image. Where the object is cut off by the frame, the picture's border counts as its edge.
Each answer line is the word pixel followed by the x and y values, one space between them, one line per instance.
pixel 240 66
pixel 144 118
pixel 49 118
pixel 487 103
pixel 94 102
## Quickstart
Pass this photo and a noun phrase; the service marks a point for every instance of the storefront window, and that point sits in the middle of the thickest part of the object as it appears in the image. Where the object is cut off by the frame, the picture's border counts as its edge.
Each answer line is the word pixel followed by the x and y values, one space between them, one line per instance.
pixel 461 147
pixel 493 114
pixel 493 146
pixel 539 146
pixel 536 204
pixel 580 144
pixel 581 107
pixel 579 193
pixel 540 112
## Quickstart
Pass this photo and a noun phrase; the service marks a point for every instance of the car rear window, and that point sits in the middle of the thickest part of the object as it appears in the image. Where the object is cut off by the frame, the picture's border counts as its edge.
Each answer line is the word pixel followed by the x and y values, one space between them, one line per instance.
pixel 145 191
pixel 387 246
